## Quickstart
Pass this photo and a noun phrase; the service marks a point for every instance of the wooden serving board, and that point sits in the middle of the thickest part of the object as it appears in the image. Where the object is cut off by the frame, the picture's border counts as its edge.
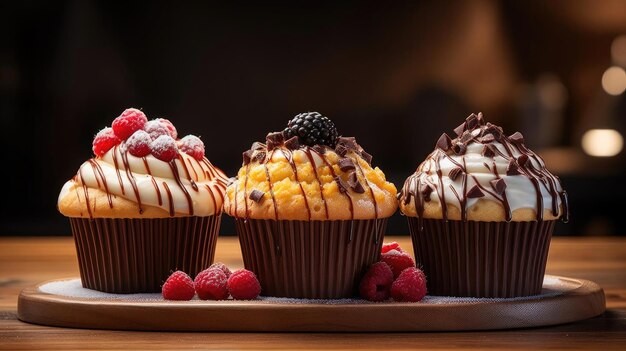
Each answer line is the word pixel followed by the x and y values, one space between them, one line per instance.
pixel 64 303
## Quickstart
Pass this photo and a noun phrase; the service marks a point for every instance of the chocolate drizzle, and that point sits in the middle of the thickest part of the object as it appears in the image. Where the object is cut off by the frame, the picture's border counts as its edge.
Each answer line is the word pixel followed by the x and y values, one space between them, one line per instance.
pixel 521 162
pixel 208 172
pixel 347 149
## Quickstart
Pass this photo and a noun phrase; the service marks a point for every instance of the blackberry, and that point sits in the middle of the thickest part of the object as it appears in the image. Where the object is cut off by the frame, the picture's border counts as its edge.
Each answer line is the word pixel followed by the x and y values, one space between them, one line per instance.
pixel 312 129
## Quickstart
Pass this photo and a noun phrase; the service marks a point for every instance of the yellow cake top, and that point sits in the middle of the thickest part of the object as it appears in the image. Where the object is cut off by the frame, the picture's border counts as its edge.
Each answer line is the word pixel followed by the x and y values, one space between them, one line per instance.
pixel 285 180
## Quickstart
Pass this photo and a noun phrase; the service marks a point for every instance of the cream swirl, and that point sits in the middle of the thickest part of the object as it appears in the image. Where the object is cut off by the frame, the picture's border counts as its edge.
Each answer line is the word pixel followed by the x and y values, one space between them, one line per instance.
pixel 182 187
pixel 483 164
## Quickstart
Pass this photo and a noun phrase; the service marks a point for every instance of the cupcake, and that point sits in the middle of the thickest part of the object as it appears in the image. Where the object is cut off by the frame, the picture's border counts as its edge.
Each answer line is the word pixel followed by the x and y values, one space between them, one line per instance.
pixel 146 204
pixel 310 210
pixel 481 211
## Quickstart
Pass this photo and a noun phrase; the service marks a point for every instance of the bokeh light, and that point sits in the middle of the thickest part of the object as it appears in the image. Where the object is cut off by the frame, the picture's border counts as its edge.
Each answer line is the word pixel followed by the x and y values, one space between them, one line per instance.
pixel 602 142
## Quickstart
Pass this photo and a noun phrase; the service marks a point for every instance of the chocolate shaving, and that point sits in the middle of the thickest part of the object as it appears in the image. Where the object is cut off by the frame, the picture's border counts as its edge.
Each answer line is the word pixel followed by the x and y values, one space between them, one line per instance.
pixel 353 181
pixel 499 185
pixel 460 129
pixel 493 130
pixel 260 156
pixel 256 195
pixel 489 138
pixel 343 187
pixel 475 192
pixel 480 119
pixel 319 149
pixel 517 138
pixel 292 143
pixel 454 173
pixel 488 151
pixel 247 156
pixel 274 140
pixel 367 157
pixel 471 121
pixel 512 168
pixel 444 142
pixel 257 146
pixel 346 164
pixel 459 148
pixel 349 142
pixel 341 150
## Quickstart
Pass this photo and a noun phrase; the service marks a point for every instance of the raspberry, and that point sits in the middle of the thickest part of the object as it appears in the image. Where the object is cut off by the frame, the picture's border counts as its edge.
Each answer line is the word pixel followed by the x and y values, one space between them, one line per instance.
pixel 178 286
pixel 104 141
pixel 312 129
pixel 222 267
pixel 410 285
pixel 398 261
pixel 130 121
pixel 211 284
pixel 193 146
pixel 158 127
pixel 164 148
pixel 170 126
pixel 138 144
pixel 244 285
pixel 376 282
pixel 390 246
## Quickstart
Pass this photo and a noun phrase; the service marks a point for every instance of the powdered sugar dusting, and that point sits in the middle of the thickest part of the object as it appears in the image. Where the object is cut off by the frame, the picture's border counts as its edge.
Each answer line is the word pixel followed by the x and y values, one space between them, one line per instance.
pixel 73 288
pixel 156 128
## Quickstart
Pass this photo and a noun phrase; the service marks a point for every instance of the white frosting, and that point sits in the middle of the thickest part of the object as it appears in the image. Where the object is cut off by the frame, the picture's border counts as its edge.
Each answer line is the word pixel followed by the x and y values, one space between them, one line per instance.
pixel 206 199
pixel 520 191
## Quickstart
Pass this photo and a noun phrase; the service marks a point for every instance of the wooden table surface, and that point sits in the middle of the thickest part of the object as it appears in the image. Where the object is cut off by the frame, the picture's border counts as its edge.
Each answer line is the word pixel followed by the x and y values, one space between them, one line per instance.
pixel 27 261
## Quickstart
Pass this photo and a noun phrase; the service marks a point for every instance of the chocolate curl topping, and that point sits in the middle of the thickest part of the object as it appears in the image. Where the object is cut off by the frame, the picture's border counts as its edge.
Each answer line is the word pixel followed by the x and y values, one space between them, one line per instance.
pixel 319 149
pixel 260 156
pixel 454 173
pixel 292 143
pixel 466 137
pixel 349 142
pixel 512 168
pixel 488 151
pixel 346 164
pixel 444 142
pixel 471 121
pixel 480 119
pixel 274 140
pixel 247 156
pixel 341 150
pixel 475 192
pixel 498 185
pixel 460 129
pixel 256 195
pixel 493 130
pixel 343 187
pixel 459 148
pixel 517 138
pixel 257 146
pixel 367 157
pixel 353 181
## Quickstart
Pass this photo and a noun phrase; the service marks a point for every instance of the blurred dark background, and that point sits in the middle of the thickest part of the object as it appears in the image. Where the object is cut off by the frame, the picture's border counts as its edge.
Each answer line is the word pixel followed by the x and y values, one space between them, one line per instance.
pixel 395 76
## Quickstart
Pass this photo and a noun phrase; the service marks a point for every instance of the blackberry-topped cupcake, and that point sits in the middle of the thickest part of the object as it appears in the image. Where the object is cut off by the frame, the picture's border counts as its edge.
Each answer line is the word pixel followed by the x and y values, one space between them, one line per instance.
pixel 481 210
pixel 310 210
pixel 146 204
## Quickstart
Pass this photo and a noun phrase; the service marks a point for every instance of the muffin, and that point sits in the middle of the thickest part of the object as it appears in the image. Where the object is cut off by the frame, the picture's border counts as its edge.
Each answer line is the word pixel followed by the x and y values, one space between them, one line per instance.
pixel 481 210
pixel 310 210
pixel 146 204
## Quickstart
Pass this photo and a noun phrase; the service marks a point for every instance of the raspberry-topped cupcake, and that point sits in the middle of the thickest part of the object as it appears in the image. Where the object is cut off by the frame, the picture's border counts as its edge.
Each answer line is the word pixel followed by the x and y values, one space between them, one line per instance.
pixel 481 209
pixel 146 204
pixel 310 210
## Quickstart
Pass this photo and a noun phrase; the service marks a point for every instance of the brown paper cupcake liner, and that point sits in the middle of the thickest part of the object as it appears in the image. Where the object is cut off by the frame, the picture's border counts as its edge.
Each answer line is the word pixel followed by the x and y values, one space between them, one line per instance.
pixel 310 259
pixel 482 259
pixel 123 255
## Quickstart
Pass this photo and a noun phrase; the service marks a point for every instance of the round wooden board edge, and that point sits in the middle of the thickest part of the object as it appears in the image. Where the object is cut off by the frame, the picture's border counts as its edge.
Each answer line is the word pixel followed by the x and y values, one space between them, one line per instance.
pixel 583 302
